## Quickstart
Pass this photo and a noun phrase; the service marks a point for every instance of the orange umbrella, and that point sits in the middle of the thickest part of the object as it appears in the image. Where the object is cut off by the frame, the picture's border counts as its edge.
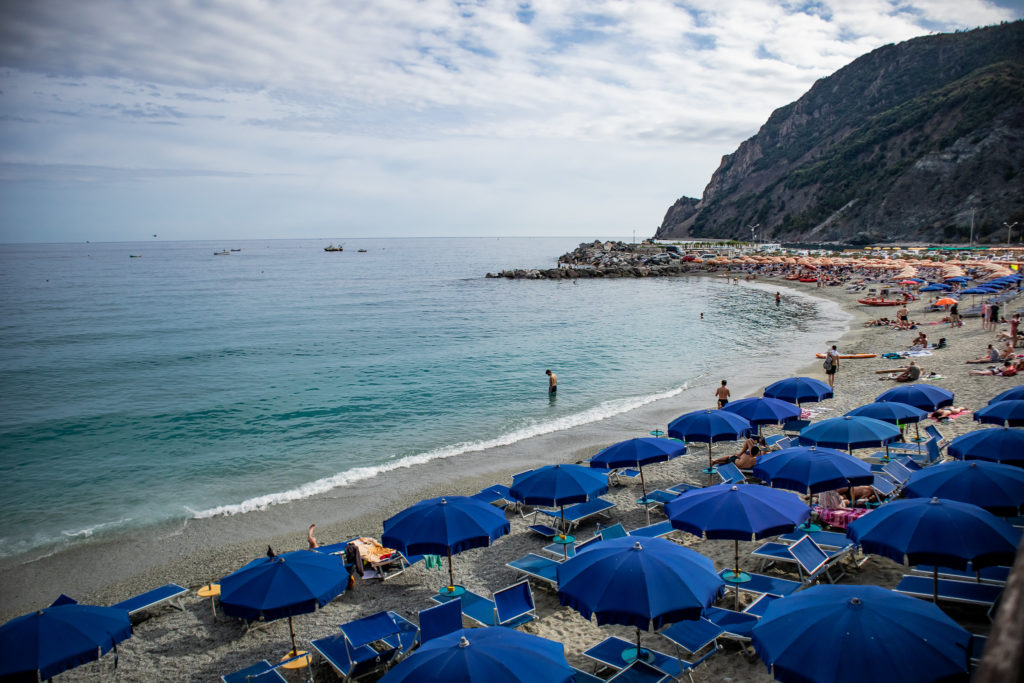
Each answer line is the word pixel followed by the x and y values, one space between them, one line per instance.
pixel 945 301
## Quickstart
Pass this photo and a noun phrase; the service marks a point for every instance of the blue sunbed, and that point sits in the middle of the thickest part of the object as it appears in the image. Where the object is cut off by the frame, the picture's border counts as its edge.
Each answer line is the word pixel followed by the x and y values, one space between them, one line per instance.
pixel 994 575
pixel 537 567
pixel 611 653
pixel 260 672
pixel 658 529
pixel 575 514
pixel 763 583
pixel 512 606
pixel 169 593
pixel 966 592
pixel 440 620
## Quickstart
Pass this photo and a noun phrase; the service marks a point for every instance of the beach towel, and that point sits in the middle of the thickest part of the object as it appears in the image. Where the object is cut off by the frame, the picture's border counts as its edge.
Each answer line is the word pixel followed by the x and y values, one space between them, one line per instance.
pixel 371 551
pixel 840 517
pixel 950 417
pixel 919 353
pixel 432 562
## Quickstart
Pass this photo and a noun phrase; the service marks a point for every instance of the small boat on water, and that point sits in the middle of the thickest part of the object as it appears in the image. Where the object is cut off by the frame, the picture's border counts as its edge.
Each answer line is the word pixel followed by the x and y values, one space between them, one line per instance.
pixel 808 279
pixel 236 250
pixel 362 251
pixel 850 355
pixel 879 302
pixel 223 252
pixel 334 248
pixel 134 255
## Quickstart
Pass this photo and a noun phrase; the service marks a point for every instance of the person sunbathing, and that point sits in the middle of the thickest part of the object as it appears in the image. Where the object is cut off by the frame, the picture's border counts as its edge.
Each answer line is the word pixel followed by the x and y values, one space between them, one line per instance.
pixel 911 374
pixel 943 413
pixel 920 340
pixel 1007 351
pixel 748 455
pixel 1006 370
pixel 991 356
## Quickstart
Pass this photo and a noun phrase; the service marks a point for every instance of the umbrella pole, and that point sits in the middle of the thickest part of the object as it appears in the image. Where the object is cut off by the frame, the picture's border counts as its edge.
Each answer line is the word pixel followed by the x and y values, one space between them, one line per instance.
pixel 291 628
pixel 711 467
pixel 935 584
pixel 451 573
pixel 643 487
pixel 565 546
pixel 638 650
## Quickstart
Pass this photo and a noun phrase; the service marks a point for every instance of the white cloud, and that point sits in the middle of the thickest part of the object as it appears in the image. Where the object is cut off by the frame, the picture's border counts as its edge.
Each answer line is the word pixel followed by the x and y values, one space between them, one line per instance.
pixel 496 105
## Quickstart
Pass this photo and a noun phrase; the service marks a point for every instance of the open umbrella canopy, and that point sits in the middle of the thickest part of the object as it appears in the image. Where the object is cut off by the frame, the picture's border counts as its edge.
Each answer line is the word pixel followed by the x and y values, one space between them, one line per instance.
pixel 44 643
pixel 445 525
pixel 494 654
pixel 799 390
pixel 924 396
pixel 851 634
pixel 937 532
pixel 997 488
pixel 558 485
pixel 740 512
pixel 708 426
pixel 849 432
pixel 638 582
pixel 996 445
pixel 1009 412
pixel 946 301
pixel 892 412
pixel 759 410
pixel 291 583
pixel 936 287
pixel 1014 394
pixel 638 452
pixel 810 470
pixel 958 278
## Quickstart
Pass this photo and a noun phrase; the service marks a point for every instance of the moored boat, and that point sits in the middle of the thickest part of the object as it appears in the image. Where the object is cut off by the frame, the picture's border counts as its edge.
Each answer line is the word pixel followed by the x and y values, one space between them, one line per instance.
pixel 334 248
pixel 879 302
pixel 223 252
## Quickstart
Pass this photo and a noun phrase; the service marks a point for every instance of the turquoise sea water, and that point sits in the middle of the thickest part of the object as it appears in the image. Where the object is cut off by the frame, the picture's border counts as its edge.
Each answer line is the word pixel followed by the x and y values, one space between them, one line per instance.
pixel 183 384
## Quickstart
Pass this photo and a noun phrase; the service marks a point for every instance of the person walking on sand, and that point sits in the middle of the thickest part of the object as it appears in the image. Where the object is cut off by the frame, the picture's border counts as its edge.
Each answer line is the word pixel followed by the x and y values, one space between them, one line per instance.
pixel 722 393
pixel 552 381
pixel 830 365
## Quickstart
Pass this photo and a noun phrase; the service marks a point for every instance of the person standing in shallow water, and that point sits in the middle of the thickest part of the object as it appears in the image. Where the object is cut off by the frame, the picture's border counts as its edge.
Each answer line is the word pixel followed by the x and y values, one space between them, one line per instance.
pixel 778 298
pixel 552 381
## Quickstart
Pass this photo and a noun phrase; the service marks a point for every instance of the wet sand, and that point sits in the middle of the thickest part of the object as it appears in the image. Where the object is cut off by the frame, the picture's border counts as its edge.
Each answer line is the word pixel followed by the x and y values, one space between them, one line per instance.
pixel 191 645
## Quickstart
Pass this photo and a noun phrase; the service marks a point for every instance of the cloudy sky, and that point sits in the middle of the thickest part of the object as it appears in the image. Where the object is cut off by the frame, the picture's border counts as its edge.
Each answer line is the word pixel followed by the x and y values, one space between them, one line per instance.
pixel 200 119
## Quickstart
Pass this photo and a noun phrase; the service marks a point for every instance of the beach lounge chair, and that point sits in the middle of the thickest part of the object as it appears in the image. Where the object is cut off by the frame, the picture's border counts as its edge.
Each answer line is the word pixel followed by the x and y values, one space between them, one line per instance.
pixel 996 576
pixel 830 540
pixel 260 672
pixel 534 566
pixel 693 636
pixel 497 494
pixel 608 654
pixel 440 619
pixel 812 562
pixel 657 530
pixel 735 625
pixel 584 677
pixel 964 592
pixel 657 498
pixel 580 512
pixel 764 583
pixel 641 672
pixel 565 550
pixel 778 441
pixel 730 474
pixel 682 487
pixel 616 476
pixel 794 425
pixel 383 569
pixel 368 645
pixel 511 607
pixel 885 487
pixel 169 593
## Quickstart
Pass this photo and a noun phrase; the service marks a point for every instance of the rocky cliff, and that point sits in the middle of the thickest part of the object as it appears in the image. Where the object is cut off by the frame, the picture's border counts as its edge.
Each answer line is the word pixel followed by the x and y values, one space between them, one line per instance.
pixel 906 143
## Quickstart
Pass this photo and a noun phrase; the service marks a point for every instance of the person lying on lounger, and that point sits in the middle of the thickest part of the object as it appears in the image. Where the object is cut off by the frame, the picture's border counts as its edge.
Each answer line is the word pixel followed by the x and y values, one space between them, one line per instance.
pixel 748 455
pixel 863 495
pixel 1007 369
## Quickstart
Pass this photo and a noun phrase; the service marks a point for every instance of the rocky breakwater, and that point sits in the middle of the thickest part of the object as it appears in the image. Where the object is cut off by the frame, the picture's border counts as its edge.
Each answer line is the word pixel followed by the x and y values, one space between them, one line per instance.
pixel 607 259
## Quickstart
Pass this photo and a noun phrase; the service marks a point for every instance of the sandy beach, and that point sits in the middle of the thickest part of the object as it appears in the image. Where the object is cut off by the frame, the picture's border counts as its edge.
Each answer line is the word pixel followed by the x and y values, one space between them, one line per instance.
pixel 192 645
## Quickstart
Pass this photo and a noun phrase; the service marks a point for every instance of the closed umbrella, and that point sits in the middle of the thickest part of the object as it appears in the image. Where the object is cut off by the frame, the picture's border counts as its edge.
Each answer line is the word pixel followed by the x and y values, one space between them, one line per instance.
pixel 637 453
pixel 736 512
pixel 924 396
pixel 709 426
pixel 559 485
pixel 645 583
pixel 292 583
pixel 444 526
pixel 44 643
pixel 851 634
pixel 995 487
pixel 1009 413
pixel 493 654
pixel 996 445
pixel 936 532
pixel 799 390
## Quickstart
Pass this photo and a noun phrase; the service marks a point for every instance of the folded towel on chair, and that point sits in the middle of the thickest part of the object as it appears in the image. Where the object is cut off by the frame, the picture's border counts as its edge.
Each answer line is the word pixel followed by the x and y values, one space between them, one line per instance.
pixel 371 551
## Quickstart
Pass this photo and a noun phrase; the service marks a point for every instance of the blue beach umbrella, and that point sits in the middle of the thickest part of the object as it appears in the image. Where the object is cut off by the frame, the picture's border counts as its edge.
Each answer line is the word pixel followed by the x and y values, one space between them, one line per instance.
pixel 996 445
pixel 494 654
pixel 849 432
pixel 559 485
pixel 995 487
pixel 851 634
pixel 1014 394
pixel 958 278
pixel 759 410
pixel 936 287
pixel 936 532
pixel 813 469
pixel 892 412
pixel 645 583
pixel 1009 413
pixel 44 643
pixel 292 583
pixel 637 453
pixel 443 526
pixel 799 390
pixel 924 396
pixel 709 426
pixel 741 512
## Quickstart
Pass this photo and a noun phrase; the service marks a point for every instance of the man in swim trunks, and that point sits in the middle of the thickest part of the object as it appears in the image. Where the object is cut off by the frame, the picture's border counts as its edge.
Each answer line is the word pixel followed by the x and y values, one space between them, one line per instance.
pixel 552 381
pixel 901 315
pixel 831 365
pixel 722 393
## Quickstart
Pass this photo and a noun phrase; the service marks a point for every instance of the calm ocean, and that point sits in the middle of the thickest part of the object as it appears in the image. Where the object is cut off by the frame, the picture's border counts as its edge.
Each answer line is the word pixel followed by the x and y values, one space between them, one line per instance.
pixel 183 384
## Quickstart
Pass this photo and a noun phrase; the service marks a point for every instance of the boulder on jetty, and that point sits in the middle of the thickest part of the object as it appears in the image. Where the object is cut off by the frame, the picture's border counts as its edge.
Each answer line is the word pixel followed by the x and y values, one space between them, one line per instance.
pixel 606 259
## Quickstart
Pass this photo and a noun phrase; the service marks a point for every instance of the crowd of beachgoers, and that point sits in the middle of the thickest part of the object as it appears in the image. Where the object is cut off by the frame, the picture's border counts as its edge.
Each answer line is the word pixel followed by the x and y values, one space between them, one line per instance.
pixel 201 643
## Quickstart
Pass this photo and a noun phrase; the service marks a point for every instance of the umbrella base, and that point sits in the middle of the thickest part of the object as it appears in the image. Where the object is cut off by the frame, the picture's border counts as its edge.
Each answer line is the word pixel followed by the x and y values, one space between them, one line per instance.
pixel 733 577
pixel 296 660
pixel 451 591
pixel 709 470
pixel 630 654
pixel 808 527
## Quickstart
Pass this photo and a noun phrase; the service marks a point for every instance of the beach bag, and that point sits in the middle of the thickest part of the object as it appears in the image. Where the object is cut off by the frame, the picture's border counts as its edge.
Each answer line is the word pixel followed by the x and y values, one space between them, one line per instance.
pixel 827 365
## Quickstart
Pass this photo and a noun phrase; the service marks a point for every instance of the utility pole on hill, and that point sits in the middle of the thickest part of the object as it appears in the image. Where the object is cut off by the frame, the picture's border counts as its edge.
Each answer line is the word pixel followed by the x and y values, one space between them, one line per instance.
pixel 972 228
pixel 1009 227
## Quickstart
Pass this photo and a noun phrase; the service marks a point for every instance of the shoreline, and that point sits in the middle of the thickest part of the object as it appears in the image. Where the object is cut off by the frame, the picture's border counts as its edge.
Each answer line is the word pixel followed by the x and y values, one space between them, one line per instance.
pixel 193 551
pixel 191 645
